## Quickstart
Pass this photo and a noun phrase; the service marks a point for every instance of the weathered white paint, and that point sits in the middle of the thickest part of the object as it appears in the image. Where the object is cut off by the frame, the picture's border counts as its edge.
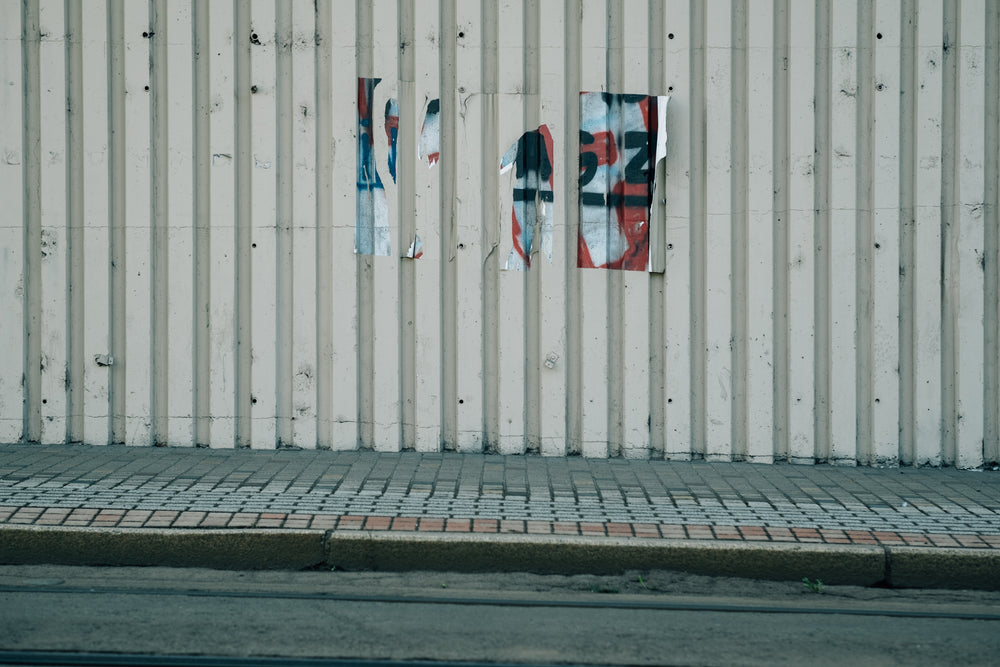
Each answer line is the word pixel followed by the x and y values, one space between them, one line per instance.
pixel 925 266
pixel 96 251
pixel 181 204
pixel 55 252
pixel 758 375
pixel 477 174
pixel 14 403
pixel 716 234
pixel 135 352
pixel 681 120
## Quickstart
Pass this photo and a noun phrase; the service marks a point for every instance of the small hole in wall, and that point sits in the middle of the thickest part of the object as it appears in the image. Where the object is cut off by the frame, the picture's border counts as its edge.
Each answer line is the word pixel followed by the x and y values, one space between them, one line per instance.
pixel 253 245
pixel 461 246
pixel 878 35
pixel 670 246
pixel 145 87
pixel 878 245
pixel 253 89
pixel 253 400
pixel 670 89
pixel 45 401
pixel 670 400
pixel 670 36
pixel 461 401
pixel 461 34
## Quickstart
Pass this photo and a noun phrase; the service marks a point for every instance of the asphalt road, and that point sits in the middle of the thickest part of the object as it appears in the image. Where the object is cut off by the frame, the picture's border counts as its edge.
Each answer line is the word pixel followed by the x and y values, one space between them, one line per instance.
pixel 638 618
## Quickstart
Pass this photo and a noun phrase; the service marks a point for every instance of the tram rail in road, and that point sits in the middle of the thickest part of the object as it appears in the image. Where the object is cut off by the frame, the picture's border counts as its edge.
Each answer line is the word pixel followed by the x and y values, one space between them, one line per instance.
pixel 603 603
pixel 58 659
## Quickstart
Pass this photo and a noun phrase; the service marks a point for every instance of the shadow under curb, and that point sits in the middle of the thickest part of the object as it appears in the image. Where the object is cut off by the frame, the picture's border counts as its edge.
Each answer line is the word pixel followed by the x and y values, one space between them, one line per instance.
pixel 555 554
pixel 231 549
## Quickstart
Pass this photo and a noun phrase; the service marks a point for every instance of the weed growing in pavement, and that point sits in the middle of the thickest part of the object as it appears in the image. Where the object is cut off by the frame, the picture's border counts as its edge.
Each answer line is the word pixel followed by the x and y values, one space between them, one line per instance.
pixel 643 583
pixel 812 586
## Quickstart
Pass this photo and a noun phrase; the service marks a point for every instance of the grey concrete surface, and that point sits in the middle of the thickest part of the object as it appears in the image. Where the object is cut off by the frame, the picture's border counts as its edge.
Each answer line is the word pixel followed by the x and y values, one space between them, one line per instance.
pixel 637 618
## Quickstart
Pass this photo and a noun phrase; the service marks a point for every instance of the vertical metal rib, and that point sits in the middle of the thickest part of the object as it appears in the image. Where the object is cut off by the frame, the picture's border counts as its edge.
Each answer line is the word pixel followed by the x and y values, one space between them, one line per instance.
pixel 74 223
pixel 907 227
pixel 991 219
pixel 779 154
pixel 201 221
pixel 490 66
pixel 285 164
pixel 243 220
pixel 407 225
pixel 159 158
pixel 698 208
pixel 616 282
pixel 657 310
pixel 949 230
pixel 32 175
pixel 366 270
pixel 532 277
pixel 821 194
pixel 571 155
pixel 324 225
pixel 449 277
pixel 864 179
pixel 739 189
pixel 116 214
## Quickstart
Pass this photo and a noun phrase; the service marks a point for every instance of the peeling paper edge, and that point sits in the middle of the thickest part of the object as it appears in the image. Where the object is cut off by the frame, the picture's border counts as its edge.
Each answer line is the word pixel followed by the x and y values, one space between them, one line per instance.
pixel 661 155
pixel 416 250
pixel 661 143
pixel 661 128
pixel 508 159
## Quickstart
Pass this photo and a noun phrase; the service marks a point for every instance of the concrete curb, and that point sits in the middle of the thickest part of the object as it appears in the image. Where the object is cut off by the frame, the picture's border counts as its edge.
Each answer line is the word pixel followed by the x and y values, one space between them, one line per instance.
pixel 254 549
pixel 174 547
pixel 559 554
pixel 943 567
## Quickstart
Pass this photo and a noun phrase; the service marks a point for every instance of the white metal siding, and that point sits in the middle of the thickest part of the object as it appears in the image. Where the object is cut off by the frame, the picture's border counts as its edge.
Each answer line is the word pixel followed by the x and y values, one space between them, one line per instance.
pixel 178 186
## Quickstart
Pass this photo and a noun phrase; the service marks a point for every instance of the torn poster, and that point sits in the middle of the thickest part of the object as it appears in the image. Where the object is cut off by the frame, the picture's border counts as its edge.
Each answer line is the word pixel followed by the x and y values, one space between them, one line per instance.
pixel 622 137
pixel 416 250
pixel 371 227
pixel 430 134
pixel 392 132
pixel 531 156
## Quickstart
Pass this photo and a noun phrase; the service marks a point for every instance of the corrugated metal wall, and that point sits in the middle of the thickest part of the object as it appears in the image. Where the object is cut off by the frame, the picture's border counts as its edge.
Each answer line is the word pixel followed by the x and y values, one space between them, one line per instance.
pixel 179 181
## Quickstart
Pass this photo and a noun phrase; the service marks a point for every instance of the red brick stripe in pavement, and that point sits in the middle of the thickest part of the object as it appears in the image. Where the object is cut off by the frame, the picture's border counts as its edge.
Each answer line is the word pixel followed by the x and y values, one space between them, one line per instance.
pixel 106 518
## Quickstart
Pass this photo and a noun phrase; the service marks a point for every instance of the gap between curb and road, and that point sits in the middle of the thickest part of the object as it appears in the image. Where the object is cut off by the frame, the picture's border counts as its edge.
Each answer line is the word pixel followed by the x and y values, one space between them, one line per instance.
pixel 253 549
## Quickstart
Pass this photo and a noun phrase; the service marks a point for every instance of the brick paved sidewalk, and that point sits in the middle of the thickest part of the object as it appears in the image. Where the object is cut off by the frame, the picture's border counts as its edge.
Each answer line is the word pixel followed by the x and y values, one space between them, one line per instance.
pixel 465 493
